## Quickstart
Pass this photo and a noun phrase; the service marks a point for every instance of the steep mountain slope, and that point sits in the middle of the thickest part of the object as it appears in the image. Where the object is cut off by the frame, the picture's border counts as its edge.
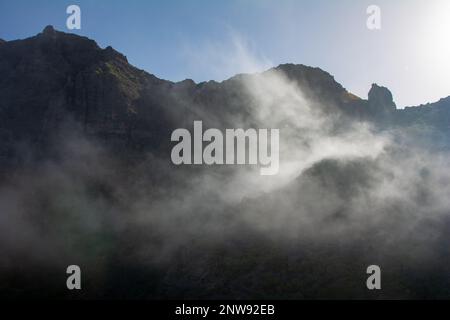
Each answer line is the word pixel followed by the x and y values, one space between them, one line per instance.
pixel 54 77
pixel 86 178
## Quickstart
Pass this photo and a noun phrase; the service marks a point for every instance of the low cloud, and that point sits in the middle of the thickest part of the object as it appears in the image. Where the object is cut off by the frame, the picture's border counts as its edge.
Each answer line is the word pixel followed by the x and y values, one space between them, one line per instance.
pixel 346 194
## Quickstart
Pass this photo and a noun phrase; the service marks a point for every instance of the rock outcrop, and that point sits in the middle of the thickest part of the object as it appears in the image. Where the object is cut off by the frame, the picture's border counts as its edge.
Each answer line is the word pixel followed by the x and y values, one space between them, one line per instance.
pixel 380 99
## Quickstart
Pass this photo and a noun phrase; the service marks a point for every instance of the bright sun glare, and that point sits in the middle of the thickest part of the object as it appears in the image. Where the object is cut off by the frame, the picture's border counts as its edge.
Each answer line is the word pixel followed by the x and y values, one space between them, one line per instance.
pixel 436 34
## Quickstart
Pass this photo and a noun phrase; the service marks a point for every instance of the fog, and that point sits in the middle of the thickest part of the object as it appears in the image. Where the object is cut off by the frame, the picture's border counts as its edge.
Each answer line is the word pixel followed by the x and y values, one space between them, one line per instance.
pixel 347 195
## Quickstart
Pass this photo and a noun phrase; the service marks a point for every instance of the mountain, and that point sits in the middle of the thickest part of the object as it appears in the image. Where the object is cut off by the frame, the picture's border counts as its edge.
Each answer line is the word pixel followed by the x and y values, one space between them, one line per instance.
pixel 86 178
pixel 55 77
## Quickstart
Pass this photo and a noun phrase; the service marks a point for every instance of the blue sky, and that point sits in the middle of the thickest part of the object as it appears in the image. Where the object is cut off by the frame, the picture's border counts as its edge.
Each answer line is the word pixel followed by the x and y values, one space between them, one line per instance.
pixel 212 39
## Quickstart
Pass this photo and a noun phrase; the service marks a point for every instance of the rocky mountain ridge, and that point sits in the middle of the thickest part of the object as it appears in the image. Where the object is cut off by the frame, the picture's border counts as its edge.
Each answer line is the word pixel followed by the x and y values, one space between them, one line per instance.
pixel 54 78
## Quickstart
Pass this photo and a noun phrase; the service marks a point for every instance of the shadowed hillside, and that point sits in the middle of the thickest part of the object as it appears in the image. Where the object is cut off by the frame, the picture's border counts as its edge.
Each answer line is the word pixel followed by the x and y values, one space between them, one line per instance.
pixel 86 179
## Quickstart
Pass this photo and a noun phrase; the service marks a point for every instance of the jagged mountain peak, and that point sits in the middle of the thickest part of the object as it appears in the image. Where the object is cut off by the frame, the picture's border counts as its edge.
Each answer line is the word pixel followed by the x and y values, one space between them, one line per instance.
pixel 110 52
pixel 300 68
pixel 57 47
pixel 55 76
pixel 49 30
pixel 296 71
pixel 320 83
pixel 381 98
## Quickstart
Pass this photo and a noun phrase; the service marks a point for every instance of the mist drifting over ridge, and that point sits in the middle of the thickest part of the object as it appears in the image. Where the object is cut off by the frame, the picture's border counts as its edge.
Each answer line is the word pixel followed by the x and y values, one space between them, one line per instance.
pixel 86 177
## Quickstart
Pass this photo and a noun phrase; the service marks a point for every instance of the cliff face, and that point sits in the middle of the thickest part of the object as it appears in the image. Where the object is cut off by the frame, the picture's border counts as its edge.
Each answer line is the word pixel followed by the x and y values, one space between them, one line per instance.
pixel 55 80
pixel 55 77
pixel 380 99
